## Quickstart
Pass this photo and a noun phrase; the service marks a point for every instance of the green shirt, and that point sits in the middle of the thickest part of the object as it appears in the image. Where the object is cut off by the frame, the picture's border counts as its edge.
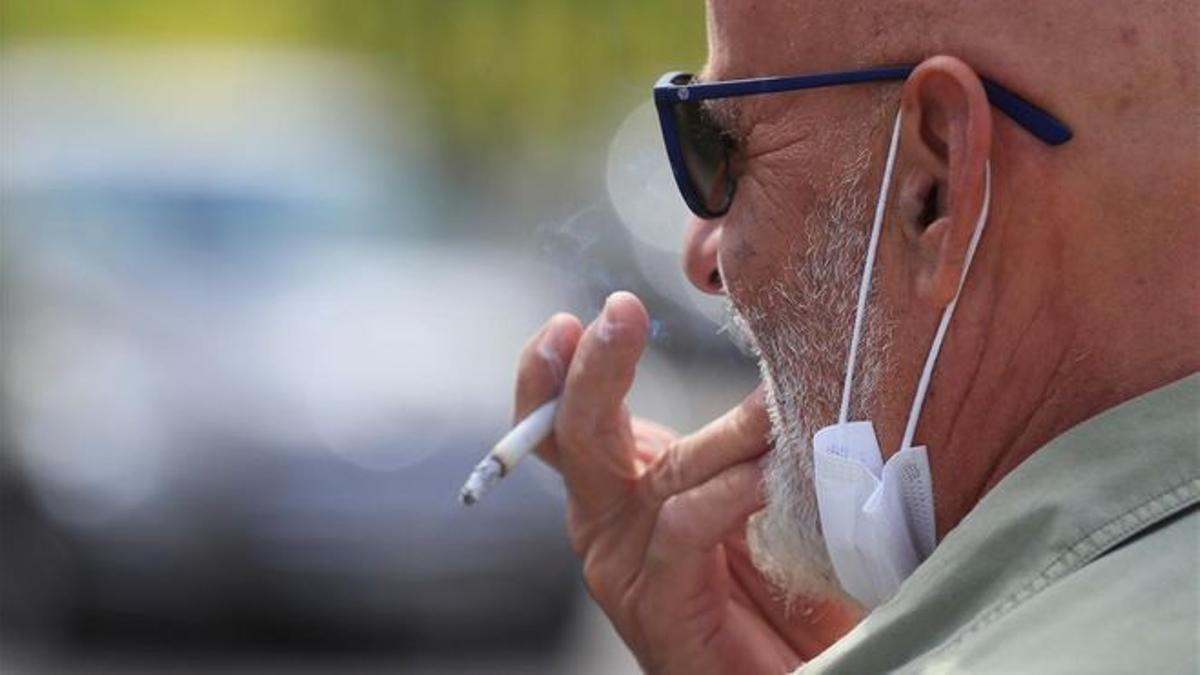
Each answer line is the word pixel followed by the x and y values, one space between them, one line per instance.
pixel 1084 559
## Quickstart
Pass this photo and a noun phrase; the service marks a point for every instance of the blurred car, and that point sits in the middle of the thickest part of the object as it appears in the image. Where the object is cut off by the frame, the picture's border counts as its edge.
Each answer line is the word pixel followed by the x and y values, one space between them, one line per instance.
pixel 243 373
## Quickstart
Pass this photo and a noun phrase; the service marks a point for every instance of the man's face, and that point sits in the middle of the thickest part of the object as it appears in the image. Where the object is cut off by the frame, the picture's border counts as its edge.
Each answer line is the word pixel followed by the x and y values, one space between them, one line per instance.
pixel 790 252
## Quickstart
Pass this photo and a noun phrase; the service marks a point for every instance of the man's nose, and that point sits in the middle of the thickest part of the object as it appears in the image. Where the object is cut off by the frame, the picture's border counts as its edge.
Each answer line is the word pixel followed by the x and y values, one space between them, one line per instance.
pixel 701 243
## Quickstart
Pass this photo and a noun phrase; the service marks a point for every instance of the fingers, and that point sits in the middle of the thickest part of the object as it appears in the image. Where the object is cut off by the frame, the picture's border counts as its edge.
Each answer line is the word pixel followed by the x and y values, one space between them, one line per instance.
pixel 738 435
pixel 602 371
pixel 593 444
pixel 595 440
pixel 652 440
pixel 682 552
pixel 700 518
pixel 658 436
pixel 542 369
pixel 644 539
pixel 681 586
pixel 680 474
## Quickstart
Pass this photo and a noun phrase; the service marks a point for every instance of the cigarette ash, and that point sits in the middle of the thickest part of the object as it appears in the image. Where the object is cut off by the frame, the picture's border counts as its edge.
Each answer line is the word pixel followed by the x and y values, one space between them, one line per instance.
pixel 486 474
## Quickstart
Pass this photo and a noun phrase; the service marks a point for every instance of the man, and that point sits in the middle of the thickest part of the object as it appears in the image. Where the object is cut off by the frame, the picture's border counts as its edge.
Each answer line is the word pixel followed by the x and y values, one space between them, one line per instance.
pixel 1059 428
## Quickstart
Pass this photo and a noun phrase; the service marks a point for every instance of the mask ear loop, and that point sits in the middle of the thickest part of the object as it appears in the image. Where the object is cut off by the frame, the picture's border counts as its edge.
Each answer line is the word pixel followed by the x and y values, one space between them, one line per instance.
pixel 931 359
pixel 865 284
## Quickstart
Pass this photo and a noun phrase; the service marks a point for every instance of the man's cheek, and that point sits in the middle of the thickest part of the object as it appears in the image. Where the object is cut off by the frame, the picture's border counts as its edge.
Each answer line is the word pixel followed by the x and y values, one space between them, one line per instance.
pixel 741 269
pixel 753 253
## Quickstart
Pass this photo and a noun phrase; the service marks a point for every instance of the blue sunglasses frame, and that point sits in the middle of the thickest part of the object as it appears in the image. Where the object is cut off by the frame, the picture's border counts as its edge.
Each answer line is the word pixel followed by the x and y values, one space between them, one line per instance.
pixel 678 87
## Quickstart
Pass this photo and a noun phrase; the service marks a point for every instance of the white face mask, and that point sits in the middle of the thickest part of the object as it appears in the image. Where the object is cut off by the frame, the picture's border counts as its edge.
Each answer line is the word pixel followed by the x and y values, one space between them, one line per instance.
pixel 877 518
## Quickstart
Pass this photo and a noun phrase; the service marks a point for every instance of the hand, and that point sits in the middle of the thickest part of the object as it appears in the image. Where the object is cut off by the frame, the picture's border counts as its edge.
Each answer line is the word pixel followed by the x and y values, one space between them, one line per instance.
pixel 659 519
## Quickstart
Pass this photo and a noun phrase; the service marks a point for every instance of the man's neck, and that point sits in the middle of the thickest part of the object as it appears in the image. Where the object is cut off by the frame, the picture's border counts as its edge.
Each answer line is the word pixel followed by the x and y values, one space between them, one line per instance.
pixel 1031 382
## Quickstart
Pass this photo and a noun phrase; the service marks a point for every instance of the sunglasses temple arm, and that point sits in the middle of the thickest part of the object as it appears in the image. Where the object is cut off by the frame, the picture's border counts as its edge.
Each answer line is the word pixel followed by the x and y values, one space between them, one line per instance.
pixel 1032 118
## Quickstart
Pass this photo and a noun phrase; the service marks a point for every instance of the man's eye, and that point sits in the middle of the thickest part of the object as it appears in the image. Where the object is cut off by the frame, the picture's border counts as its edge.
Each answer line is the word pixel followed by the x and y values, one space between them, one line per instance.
pixel 722 124
pixel 731 139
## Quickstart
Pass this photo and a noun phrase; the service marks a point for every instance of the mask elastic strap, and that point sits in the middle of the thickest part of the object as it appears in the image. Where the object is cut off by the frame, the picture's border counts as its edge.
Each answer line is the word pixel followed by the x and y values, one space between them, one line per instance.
pixel 865 285
pixel 931 359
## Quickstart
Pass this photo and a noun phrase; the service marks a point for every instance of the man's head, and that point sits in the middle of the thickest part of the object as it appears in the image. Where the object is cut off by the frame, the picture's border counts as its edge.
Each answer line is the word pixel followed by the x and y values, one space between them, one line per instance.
pixel 1084 290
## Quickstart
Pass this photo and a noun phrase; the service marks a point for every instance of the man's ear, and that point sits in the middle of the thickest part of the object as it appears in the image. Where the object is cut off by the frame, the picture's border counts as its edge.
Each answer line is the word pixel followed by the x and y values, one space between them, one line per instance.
pixel 946 138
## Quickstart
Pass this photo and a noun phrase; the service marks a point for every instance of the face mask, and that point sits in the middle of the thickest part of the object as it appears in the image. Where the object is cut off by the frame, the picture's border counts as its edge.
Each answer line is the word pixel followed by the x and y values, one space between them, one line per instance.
pixel 876 517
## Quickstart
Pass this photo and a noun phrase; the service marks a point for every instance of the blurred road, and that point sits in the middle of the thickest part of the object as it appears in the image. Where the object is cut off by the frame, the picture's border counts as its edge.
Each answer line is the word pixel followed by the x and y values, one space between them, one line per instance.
pixel 591 648
pixel 682 397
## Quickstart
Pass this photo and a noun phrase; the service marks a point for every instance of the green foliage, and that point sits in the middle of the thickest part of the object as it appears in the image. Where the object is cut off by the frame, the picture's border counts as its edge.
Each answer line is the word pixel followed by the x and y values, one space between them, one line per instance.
pixel 492 74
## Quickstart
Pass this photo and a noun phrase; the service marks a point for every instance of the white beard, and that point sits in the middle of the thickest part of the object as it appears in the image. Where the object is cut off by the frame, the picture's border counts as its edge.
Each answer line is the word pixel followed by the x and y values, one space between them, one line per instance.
pixel 800 331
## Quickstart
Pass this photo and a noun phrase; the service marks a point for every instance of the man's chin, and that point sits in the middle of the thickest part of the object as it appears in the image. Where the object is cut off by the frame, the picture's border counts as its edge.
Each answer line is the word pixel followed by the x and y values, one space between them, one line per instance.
pixel 785 544
pixel 794 572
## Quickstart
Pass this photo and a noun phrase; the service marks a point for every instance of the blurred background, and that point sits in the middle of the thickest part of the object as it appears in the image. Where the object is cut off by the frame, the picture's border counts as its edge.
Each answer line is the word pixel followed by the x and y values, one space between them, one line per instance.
pixel 264 270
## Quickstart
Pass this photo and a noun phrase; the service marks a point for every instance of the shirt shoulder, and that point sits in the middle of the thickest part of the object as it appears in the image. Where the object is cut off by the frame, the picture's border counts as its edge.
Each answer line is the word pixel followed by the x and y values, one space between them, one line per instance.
pixel 1134 610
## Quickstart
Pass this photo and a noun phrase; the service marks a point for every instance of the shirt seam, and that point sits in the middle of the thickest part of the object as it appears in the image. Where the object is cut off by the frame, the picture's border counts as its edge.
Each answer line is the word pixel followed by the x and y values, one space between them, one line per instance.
pixel 1083 551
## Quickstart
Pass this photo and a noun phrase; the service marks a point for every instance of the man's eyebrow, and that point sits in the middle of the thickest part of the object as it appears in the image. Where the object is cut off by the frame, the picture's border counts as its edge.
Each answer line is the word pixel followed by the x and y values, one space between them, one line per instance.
pixel 724 111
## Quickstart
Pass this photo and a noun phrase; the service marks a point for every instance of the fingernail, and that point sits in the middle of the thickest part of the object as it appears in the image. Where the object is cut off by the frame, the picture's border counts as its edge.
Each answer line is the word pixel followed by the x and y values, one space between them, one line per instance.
pixel 607 310
pixel 606 326
pixel 548 348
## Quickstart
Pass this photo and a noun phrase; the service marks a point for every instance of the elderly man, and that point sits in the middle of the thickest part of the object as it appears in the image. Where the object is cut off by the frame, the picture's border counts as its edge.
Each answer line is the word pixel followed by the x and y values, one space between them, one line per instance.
pixel 967 257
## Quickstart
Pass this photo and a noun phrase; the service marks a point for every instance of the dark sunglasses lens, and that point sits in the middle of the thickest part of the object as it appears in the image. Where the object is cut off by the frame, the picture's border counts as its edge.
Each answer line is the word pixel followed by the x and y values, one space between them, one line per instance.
pixel 705 149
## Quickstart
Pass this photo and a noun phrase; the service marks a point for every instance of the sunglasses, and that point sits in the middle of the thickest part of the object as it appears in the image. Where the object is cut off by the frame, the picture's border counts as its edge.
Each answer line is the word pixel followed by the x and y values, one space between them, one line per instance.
pixel 701 151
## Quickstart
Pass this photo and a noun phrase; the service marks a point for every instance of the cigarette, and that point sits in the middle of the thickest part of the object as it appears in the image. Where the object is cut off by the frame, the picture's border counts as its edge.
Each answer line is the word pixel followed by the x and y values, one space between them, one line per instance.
pixel 504 456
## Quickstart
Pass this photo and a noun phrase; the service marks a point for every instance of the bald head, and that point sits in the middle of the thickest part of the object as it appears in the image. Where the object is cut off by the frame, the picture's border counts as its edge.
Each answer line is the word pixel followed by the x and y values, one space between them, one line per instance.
pixel 1124 74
